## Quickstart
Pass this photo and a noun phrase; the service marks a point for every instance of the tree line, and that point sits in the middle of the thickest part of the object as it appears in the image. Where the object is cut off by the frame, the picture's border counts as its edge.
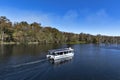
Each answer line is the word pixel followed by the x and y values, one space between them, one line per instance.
pixel 24 32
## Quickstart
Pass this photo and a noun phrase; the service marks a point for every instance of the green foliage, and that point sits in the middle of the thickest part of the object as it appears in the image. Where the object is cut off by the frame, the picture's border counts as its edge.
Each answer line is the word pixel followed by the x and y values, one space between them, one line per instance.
pixel 23 32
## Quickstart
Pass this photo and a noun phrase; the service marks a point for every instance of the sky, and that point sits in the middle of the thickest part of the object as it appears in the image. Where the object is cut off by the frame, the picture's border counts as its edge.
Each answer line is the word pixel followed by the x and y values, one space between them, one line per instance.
pixel 87 16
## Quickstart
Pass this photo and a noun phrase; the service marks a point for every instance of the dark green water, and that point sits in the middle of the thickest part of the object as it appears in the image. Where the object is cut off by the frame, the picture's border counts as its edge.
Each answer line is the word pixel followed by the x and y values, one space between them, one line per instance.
pixel 91 62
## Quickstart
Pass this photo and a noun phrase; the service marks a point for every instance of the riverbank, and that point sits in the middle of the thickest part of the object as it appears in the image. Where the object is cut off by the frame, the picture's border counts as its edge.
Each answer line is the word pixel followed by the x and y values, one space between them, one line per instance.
pixel 78 42
pixel 18 43
pixel 10 43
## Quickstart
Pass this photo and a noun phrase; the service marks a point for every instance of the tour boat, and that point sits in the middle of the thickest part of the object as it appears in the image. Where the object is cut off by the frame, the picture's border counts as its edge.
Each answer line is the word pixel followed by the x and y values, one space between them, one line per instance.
pixel 60 54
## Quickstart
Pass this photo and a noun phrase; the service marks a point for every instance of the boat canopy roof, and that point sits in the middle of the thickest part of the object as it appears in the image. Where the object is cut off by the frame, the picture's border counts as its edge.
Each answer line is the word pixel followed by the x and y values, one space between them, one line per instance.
pixel 60 50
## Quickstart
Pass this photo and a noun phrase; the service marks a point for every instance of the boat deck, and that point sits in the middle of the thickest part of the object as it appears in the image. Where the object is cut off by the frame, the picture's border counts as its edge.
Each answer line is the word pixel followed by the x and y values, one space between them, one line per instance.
pixel 60 50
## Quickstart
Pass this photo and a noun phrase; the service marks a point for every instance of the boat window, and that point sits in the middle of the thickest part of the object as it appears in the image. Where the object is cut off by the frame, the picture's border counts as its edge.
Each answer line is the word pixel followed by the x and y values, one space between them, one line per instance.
pixel 65 52
pixel 54 54
pixel 60 53
pixel 70 51
pixel 57 53
pixel 49 53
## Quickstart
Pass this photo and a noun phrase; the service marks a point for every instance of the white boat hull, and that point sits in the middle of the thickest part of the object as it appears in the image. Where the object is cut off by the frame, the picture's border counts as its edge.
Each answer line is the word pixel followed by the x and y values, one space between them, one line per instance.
pixel 70 55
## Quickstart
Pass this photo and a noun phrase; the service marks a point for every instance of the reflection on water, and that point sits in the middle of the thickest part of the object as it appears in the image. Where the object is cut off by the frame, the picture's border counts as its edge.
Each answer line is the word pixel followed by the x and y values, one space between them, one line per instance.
pixel 90 62
pixel 110 46
pixel 21 54
pixel 61 61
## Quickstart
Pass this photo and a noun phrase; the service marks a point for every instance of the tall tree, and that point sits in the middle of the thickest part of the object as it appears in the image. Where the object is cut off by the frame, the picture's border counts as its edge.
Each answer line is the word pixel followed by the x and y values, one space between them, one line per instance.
pixel 5 25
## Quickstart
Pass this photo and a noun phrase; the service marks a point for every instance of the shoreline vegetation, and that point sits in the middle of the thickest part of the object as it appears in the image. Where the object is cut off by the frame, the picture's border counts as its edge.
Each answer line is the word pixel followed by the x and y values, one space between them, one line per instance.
pixel 18 43
pixel 34 33
pixel 7 43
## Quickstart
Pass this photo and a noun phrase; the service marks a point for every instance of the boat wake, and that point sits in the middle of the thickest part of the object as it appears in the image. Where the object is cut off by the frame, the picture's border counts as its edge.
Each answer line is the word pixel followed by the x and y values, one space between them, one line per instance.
pixel 29 63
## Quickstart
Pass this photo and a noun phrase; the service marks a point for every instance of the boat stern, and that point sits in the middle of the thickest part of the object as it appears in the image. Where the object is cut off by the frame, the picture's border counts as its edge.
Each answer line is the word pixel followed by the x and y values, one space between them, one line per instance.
pixel 50 56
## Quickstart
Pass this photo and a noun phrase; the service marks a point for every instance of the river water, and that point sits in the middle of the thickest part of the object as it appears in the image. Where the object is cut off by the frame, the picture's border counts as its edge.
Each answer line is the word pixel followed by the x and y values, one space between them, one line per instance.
pixel 91 62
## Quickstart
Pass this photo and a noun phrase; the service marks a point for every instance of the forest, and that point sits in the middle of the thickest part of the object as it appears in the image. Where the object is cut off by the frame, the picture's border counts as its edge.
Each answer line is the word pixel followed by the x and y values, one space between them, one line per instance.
pixel 25 33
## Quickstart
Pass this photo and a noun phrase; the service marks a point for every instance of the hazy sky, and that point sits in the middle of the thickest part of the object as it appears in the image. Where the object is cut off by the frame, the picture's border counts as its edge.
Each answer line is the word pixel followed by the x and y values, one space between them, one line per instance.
pixel 88 16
